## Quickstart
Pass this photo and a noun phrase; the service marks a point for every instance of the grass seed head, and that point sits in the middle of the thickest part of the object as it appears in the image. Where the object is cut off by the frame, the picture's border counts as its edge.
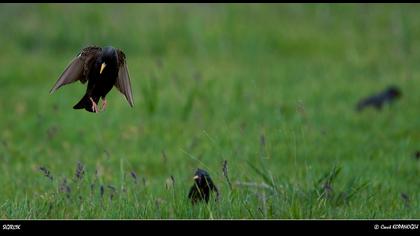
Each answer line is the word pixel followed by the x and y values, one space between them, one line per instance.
pixel 65 188
pixel 134 176
pixel 46 172
pixel 80 171
pixel 101 191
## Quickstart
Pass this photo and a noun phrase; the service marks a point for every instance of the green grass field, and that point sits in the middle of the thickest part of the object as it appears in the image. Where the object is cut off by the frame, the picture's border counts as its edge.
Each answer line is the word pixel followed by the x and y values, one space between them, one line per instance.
pixel 271 89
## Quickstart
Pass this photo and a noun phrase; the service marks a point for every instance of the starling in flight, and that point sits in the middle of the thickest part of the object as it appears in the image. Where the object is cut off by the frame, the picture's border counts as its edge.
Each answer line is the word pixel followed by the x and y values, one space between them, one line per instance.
pixel 102 68
pixel 203 185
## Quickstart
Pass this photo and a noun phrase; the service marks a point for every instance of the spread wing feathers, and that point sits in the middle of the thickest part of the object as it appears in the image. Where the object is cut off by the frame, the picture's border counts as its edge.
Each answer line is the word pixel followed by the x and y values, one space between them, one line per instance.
pixel 78 68
pixel 123 83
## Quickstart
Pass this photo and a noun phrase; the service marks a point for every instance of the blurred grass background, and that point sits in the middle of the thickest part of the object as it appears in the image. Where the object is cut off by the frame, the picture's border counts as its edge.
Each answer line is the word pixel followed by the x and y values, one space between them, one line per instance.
pixel 270 87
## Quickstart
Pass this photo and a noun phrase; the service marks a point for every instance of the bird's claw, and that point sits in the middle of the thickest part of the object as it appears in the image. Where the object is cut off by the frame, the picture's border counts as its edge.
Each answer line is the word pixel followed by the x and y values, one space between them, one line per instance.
pixel 94 106
pixel 103 104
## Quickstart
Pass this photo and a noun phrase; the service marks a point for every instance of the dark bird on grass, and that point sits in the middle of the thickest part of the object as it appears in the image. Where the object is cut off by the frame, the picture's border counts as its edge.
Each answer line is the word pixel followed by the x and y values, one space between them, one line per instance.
pixel 102 68
pixel 417 155
pixel 202 188
pixel 378 100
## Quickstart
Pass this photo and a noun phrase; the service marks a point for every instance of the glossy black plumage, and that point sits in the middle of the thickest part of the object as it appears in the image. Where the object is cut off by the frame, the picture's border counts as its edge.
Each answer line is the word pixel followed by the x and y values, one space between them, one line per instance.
pixel 202 188
pixel 102 68
pixel 378 100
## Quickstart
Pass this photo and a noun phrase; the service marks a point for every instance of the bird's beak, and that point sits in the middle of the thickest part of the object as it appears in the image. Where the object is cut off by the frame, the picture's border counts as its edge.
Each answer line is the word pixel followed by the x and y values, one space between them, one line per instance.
pixel 196 177
pixel 102 67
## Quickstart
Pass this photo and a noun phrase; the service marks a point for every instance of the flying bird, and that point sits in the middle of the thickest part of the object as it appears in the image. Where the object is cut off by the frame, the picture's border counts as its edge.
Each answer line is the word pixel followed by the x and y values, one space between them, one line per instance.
pixel 102 68
pixel 203 185
pixel 378 100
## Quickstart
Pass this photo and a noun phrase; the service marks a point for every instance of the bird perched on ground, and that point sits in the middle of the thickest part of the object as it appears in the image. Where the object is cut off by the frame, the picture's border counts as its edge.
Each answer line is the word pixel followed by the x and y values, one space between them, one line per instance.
pixel 102 68
pixel 378 100
pixel 203 185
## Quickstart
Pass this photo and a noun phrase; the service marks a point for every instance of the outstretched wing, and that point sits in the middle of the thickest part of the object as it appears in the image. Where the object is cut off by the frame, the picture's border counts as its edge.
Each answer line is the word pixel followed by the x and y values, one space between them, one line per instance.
pixel 123 83
pixel 78 67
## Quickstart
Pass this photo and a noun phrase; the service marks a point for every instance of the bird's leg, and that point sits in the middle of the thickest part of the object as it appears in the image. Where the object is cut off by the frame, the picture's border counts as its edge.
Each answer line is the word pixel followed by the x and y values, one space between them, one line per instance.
pixel 103 104
pixel 94 105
